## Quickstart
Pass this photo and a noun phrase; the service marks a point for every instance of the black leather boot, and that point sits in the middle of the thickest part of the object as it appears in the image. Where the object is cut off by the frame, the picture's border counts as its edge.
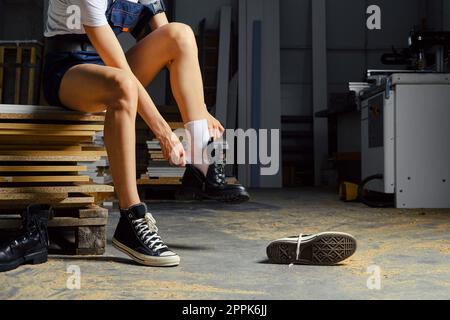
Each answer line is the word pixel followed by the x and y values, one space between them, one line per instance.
pixel 31 246
pixel 195 186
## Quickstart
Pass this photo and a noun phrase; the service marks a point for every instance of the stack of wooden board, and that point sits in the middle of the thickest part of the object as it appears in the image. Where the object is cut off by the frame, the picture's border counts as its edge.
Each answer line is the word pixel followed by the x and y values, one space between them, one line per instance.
pixel 159 171
pixel 97 171
pixel 143 134
pixel 44 157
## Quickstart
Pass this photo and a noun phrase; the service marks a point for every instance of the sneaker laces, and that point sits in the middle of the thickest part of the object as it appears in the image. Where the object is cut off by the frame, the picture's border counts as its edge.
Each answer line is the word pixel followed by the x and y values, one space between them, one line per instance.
pixel 299 242
pixel 219 173
pixel 297 252
pixel 148 231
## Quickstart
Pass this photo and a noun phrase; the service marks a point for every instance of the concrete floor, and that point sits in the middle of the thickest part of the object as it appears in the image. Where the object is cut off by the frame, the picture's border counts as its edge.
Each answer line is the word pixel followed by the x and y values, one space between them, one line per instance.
pixel 223 254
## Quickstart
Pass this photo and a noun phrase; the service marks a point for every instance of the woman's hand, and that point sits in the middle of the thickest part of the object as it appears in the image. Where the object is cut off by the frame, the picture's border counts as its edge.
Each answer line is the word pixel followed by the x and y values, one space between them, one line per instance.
pixel 216 129
pixel 173 150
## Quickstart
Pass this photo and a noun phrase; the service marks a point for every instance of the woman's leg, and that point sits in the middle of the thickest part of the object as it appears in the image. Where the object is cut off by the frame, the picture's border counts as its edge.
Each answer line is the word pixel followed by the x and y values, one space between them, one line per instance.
pixel 93 88
pixel 172 45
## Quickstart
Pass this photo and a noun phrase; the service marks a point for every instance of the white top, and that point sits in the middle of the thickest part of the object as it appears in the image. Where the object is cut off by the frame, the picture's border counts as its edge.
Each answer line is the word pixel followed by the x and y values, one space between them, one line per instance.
pixel 69 16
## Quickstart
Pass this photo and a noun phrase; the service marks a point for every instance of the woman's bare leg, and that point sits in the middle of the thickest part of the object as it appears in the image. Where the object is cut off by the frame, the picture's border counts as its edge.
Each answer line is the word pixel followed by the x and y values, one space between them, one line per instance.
pixel 93 88
pixel 172 45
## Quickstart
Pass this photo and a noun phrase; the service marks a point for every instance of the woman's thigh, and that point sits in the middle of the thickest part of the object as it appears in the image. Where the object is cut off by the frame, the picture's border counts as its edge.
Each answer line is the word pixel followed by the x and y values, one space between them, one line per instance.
pixel 150 55
pixel 89 87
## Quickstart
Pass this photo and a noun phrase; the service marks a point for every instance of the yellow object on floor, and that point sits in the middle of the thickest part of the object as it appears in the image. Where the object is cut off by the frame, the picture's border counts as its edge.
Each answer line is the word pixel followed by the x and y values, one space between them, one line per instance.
pixel 348 191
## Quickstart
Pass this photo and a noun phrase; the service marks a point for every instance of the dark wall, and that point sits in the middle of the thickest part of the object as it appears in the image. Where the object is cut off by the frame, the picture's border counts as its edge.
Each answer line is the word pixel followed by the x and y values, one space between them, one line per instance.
pixel 21 19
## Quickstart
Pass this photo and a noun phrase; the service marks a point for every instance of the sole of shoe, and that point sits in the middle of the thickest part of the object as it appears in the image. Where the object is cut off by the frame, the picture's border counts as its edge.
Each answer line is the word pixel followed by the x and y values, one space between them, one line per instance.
pixel 170 261
pixel 226 197
pixel 34 258
pixel 328 248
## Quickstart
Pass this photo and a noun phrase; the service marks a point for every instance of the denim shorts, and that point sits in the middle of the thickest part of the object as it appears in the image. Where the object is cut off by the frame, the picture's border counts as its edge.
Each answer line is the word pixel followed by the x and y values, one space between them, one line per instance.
pixel 56 66
pixel 122 16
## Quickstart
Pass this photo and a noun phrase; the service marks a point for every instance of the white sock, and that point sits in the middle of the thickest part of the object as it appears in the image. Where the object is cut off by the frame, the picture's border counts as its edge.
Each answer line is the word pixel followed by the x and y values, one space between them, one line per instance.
pixel 199 138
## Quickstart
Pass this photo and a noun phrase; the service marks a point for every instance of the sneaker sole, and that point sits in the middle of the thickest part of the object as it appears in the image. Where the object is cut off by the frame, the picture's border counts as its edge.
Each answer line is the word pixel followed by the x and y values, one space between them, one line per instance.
pixel 198 195
pixel 170 261
pixel 328 248
pixel 34 258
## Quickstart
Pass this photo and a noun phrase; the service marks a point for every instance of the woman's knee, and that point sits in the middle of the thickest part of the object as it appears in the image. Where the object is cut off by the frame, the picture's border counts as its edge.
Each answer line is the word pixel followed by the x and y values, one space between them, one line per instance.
pixel 182 36
pixel 124 91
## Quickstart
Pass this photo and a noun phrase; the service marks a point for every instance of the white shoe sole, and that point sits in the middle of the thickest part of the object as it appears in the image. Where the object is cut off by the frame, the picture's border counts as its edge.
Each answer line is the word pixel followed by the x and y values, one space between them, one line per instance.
pixel 169 261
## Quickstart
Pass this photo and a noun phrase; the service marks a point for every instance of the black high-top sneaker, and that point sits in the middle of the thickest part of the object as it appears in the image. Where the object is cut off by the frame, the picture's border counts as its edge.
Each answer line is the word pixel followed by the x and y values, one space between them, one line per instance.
pixel 137 236
pixel 31 246
pixel 195 186
pixel 327 248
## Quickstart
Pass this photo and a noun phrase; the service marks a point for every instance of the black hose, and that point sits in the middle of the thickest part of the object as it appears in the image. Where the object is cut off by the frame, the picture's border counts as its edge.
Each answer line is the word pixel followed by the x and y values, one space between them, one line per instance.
pixel 368 202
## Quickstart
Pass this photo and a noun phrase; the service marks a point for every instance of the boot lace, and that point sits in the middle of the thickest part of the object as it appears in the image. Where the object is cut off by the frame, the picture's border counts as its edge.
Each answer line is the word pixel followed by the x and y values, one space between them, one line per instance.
pixel 219 173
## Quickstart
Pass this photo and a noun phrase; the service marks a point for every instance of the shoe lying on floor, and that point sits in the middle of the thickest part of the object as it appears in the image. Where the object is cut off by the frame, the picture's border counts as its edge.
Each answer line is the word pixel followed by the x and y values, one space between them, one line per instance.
pixel 326 248
pixel 195 186
pixel 31 245
pixel 137 236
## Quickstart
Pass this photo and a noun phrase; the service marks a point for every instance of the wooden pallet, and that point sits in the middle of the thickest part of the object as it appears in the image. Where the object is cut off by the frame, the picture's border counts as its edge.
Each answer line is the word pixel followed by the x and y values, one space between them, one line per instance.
pixel 74 231
pixel 46 156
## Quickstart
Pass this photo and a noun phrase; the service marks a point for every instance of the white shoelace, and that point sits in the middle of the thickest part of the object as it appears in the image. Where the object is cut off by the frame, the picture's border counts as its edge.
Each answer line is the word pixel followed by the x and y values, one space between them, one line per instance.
pixel 299 242
pixel 148 231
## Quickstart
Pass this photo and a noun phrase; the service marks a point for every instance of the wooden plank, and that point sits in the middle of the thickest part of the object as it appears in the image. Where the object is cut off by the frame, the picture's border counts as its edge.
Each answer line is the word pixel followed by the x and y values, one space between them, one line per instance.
pixel 232 102
pixel 40 153
pixel 36 147
pixel 49 158
pixel 26 139
pixel 85 188
pixel 223 72
pixel 93 211
pixel 18 75
pixel 76 200
pixel 91 147
pixel 90 237
pixel 50 127
pixel 244 80
pixel 159 181
pixel 256 92
pixel 75 222
pixel 30 112
pixel 320 84
pixel 2 60
pixel 33 196
pixel 55 203
pixel 42 168
pixel 59 222
pixel 31 179
pixel 52 116
pixel 31 109
pixel 31 75
pixel 47 133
